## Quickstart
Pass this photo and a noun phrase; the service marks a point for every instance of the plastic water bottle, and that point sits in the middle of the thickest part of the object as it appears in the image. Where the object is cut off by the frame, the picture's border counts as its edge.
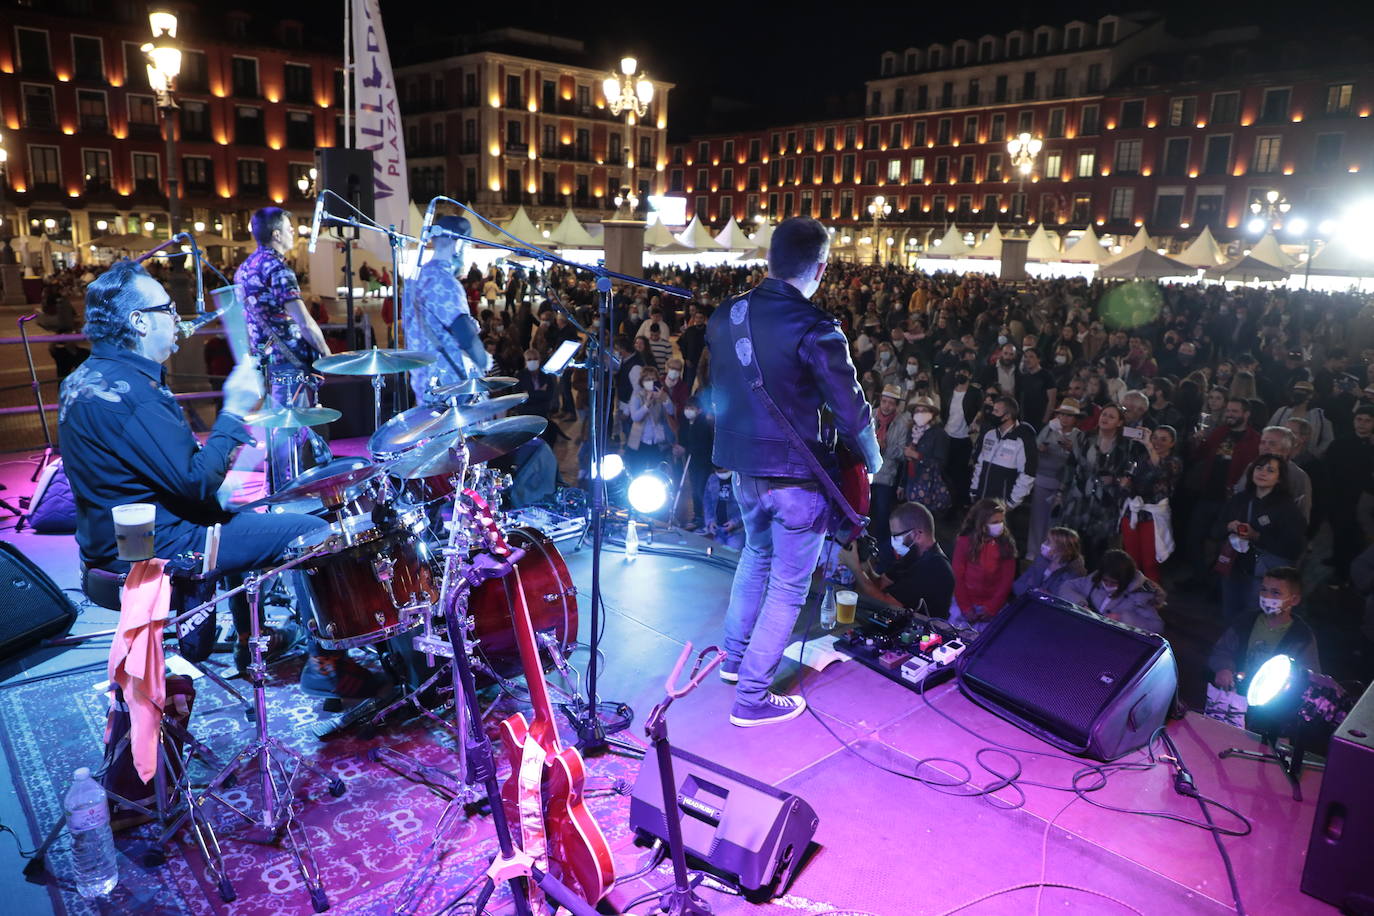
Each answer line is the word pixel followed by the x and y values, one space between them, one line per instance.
pixel 828 607
pixel 631 541
pixel 93 852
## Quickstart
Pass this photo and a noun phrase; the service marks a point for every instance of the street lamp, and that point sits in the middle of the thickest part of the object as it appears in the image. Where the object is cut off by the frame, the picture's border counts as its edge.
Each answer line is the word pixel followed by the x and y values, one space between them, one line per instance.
pixel 630 95
pixel 1269 211
pixel 878 209
pixel 1023 148
pixel 306 182
pixel 163 56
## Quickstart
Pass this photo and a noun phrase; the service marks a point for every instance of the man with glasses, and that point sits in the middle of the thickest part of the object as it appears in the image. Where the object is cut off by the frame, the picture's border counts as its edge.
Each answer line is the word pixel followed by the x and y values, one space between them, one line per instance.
pixel 126 440
pixel 286 339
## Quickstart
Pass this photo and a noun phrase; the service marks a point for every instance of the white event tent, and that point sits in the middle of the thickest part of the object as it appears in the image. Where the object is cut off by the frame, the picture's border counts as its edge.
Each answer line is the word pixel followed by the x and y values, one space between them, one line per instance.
pixel 1203 251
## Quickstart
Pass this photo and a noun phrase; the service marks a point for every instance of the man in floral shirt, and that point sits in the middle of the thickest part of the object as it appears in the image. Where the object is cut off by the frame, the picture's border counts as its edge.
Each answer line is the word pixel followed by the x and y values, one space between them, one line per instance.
pixel 438 320
pixel 283 336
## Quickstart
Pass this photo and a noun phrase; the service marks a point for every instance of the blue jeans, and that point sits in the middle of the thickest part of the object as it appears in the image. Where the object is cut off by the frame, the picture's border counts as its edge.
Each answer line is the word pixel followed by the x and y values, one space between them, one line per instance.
pixel 784 528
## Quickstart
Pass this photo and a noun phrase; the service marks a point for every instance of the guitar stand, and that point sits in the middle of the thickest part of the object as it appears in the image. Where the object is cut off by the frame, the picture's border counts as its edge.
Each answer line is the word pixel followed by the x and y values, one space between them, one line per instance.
pixel 277 819
pixel 577 708
pixel 680 899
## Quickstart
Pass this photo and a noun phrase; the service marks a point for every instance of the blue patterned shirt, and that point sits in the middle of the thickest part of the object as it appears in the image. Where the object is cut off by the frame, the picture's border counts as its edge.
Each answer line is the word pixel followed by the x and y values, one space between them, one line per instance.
pixel 268 284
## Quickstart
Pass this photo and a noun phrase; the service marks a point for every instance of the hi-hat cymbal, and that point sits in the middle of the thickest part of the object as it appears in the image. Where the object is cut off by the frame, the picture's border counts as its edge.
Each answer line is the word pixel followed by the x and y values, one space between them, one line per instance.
pixel 460 418
pixel 474 386
pixel 374 362
pixel 291 417
pixel 331 489
pixel 441 456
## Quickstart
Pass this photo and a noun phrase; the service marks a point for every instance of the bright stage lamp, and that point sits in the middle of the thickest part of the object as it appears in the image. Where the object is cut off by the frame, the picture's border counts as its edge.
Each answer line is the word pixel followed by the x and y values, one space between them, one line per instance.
pixel 1256 225
pixel 648 492
pixel 611 466
pixel 1272 679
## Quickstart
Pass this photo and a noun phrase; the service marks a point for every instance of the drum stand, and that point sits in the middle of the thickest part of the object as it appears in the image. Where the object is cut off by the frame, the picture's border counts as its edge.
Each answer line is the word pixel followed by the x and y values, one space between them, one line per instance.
pixel 277 817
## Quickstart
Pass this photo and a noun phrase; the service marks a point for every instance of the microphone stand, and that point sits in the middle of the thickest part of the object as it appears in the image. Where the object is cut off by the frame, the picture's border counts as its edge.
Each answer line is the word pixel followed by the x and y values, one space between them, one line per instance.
pixel 591 731
pixel 48 447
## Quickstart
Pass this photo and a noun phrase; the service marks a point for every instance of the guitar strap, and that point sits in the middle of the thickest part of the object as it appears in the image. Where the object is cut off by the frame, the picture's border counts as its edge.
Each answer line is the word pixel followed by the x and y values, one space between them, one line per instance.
pixel 741 323
pixel 533 839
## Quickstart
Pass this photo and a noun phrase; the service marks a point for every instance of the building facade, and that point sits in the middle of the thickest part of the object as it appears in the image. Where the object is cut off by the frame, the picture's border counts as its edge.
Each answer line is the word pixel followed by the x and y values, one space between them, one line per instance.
pixel 87 155
pixel 1138 128
pixel 512 118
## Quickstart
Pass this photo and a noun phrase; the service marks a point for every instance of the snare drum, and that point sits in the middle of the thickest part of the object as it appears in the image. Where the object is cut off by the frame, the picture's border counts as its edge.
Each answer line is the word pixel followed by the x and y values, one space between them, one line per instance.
pixel 383 447
pixel 374 587
pixel 549 594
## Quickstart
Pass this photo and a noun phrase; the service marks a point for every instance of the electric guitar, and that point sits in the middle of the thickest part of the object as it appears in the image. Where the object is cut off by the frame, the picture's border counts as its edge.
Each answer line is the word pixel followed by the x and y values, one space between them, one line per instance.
pixel 578 853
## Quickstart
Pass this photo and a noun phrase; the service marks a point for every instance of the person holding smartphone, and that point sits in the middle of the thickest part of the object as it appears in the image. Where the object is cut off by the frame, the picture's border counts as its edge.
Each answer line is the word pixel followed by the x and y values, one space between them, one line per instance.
pixel 653 423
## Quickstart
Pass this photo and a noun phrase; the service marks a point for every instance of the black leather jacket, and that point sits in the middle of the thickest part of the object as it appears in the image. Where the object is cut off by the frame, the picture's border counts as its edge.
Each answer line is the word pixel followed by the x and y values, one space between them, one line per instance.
pixel 804 359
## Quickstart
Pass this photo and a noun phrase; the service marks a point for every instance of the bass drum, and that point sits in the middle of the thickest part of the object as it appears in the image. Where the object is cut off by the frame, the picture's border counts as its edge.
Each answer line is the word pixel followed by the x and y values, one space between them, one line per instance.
pixel 549 594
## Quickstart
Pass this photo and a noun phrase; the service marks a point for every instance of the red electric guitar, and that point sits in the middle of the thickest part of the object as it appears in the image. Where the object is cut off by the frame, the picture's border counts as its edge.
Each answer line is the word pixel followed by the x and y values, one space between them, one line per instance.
pixel 578 853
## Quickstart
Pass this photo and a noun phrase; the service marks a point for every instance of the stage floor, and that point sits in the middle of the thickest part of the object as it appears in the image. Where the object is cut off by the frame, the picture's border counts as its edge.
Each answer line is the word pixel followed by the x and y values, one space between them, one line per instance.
pixel 886 845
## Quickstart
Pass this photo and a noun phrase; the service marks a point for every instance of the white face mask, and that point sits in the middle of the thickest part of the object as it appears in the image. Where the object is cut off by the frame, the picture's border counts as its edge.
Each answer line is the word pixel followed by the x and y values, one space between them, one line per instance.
pixel 922 418
pixel 912 368
pixel 723 475
pixel 996 529
pixel 674 375
pixel 1047 551
pixel 900 547
pixel 690 414
pixel 532 364
pixel 1271 606
pixel 649 386
pixel 1061 359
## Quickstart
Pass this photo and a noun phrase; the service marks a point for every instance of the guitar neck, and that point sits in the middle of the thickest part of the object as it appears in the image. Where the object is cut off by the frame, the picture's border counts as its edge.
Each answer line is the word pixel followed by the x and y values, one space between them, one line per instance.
pixel 543 725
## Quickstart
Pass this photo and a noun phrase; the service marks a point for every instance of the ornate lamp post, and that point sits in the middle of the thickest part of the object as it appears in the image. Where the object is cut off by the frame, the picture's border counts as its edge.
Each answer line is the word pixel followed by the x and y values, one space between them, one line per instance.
pixel 630 95
pixel 1269 211
pixel 164 66
pixel 879 209
pixel 1023 148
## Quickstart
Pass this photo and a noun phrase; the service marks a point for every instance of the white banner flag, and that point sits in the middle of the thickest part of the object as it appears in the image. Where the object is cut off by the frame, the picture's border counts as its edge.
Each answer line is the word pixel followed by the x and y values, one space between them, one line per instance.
pixel 378 124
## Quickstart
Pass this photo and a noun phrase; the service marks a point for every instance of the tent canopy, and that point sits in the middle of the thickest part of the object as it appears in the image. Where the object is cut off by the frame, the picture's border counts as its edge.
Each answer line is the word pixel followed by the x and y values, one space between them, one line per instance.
pixel 951 245
pixel 696 236
pixel 1042 246
pixel 990 247
pixel 1343 257
pixel 1267 250
pixel 571 233
pixel 764 236
pixel 658 236
pixel 1087 250
pixel 1145 264
pixel 1141 242
pixel 522 228
pixel 733 237
pixel 1203 251
pixel 1248 268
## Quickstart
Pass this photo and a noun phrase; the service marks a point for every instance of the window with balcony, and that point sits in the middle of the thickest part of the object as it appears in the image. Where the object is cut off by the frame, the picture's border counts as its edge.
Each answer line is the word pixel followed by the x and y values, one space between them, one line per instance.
pixel 300 130
pixel 584 144
pixel 515 98
pixel 1176 157
pixel 894 171
pixel 1216 157
pixel 1054 165
pixel 1082 208
pixel 95 165
pixel 942 132
pixel 827 170
pixel 790 171
pixel 142 111
pixel 990 206
pixel 1059 86
pixel 1339 98
pixel 40 111
pixel 918 134
pixel 646 153
pixel 967 164
pixel 298 83
pixel 1056 124
pixel 469 91
pixel 146 173
pixel 1028 85
pixel 1088 121
pixel 807 207
pixel 1267 151
pixel 971 129
pixel 846 204
pixel 195 121
pixel 753 175
pixel 994 172
pixel 847 162
pixel 252 175
pixel 1326 155
pixel 1168 207
pixel 756 146
pixel 616 149
pixel 946 95
pixel 896 136
pixel 999 89
pixel 827 204
pixel 871 171
pixel 1225 107
pixel 88 59
pixel 675 181
pixel 91 113
pixel 997 130
pixel 584 101
pixel 922 97
pixel 727 176
pixel 728 150
pixel 974 93
pixel 875 103
pixel 245 77
pixel 199 174
pixel 1132 114
pixel 1209 208
pixel 469 136
pixel 1094 82
pixel 704 152
pixel 1122 205
pixel 918 169
pixel 874 137
pixel 1127 157
pixel 34 56
pixel 941 169
pixel 1025 122
pixel 45 166
pixel 248 129
pixel 548 96
pixel 1274 109
pixel 1183 112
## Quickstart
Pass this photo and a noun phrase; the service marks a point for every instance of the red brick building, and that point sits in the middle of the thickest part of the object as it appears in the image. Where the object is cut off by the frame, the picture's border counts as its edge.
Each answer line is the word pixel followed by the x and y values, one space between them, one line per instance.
pixel 86 153
pixel 1138 128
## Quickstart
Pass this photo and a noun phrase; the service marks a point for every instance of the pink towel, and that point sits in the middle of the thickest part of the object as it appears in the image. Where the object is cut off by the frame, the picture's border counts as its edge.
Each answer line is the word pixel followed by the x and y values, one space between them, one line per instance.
pixel 136 663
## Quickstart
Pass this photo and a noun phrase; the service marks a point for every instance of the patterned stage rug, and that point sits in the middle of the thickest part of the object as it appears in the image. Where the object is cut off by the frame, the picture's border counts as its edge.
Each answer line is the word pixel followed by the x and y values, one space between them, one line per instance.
pixel 366 842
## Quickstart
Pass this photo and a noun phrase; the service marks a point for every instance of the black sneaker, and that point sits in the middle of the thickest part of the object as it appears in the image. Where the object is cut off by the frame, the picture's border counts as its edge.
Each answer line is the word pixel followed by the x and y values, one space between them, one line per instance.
pixel 774 708
pixel 337 676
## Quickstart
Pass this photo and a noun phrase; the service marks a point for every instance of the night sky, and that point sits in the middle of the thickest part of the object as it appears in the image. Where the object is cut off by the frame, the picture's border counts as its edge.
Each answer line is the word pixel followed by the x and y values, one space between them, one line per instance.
pixel 757 63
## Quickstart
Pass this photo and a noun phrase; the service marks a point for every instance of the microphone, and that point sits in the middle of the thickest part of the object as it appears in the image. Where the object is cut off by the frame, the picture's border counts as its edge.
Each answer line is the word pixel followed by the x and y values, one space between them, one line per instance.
pixel 188 328
pixel 429 221
pixel 315 222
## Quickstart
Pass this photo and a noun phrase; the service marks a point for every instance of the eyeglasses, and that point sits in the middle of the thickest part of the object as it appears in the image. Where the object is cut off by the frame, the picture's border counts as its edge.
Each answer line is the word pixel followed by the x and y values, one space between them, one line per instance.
pixel 169 307
pixel 898 534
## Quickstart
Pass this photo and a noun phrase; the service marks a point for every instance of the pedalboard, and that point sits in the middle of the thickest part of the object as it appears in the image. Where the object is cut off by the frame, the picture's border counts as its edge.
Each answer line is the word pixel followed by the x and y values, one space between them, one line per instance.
pixel 914 651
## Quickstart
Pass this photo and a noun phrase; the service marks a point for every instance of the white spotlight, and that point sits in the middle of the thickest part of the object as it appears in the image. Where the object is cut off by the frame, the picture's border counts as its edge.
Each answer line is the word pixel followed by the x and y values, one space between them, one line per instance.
pixel 648 492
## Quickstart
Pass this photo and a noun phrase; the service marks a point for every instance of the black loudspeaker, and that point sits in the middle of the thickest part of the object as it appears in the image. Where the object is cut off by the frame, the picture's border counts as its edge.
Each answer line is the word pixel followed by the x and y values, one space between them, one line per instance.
pixel 1086 684
pixel 738 826
pixel 1338 855
pixel 32 607
pixel 348 173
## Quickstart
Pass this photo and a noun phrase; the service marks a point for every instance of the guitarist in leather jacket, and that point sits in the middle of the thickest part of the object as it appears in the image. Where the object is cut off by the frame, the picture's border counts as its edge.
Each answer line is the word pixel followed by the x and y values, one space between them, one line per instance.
pixel 803 358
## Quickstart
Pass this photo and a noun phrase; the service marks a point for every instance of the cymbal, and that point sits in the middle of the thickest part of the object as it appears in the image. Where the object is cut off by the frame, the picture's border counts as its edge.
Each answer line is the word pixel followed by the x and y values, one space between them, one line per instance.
pixel 285 500
pixel 374 362
pixel 291 417
pixel 459 418
pixel 439 456
pixel 330 489
pixel 474 386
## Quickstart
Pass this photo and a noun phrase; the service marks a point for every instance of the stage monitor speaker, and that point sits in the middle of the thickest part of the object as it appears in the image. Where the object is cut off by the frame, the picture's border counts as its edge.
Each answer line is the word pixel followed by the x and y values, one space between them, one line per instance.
pixel 1338 855
pixel 32 607
pixel 348 173
pixel 740 827
pixel 1083 683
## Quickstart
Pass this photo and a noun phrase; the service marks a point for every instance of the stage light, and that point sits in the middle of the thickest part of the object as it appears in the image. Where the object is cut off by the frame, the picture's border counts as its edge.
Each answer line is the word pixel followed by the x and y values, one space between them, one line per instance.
pixel 1256 225
pixel 611 466
pixel 648 492
pixel 1273 678
pixel 1297 225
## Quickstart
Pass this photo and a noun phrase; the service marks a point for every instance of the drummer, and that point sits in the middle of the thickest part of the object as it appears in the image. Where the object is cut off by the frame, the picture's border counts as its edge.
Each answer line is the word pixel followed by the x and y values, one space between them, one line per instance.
pixel 437 317
pixel 125 440
pixel 285 339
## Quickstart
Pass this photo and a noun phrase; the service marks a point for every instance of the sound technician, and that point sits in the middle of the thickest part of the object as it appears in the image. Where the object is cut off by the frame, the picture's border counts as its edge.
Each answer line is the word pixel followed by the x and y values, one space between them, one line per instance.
pixel 921 578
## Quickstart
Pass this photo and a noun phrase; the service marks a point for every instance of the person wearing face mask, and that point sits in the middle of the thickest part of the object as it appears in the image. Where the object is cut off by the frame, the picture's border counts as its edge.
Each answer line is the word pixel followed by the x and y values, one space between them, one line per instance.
pixel 1120 592
pixel 923 476
pixel 960 402
pixel 536 384
pixel 724 521
pixel 695 436
pixel 1300 406
pixel 653 420
pixel 1264 528
pixel 1216 466
pixel 774 333
pixel 675 384
pixel 919 578
pixel 1272 629
pixel 1005 456
pixel 892 425
pixel 984 565
pixel 1059 559
pixel 1054 444
pixel 887 366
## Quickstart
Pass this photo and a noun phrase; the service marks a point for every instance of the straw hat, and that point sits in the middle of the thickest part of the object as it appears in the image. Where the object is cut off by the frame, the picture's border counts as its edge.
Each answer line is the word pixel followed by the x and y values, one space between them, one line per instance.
pixel 892 391
pixel 1070 406
pixel 925 402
